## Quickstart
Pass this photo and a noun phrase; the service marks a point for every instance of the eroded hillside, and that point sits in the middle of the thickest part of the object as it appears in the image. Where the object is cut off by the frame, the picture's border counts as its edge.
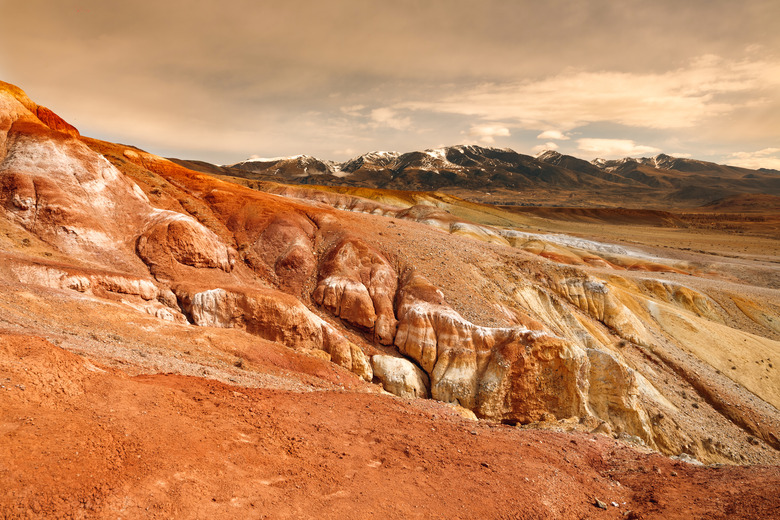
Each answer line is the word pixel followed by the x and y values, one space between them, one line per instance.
pixel 142 267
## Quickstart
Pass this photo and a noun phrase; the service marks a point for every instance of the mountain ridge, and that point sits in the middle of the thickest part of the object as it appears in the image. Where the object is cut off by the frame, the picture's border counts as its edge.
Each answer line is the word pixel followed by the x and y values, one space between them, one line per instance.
pixel 662 179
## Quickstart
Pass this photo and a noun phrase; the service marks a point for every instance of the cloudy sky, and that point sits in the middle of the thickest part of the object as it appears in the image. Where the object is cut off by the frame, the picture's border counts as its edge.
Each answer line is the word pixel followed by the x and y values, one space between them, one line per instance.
pixel 223 81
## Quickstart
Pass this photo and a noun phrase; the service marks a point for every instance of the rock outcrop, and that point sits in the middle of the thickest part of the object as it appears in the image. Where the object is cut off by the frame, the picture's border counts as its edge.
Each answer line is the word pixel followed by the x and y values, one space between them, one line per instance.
pixel 614 395
pixel 511 374
pixel 358 284
pixel 595 298
pixel 686 298
pixel 57 188
pixel 171 237
pixel 516 375
pixel 285 245
pixel 274 316
pixel 141 293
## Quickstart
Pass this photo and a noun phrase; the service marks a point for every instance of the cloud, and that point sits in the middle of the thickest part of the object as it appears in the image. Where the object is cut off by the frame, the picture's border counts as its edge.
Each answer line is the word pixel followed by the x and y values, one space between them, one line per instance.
pixel 348 152
pixel 353 110
pixel 614 148
pixel 707 87
pixel 766 158
pixel 544 147
pixel 553 134
pixel 488 133
pixel 388 117
pixel 136 72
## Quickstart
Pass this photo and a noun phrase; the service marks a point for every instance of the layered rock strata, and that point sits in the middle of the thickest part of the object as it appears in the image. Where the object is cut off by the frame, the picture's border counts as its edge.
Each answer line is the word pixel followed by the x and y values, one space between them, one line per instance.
pixel 274 316
pixel 190 248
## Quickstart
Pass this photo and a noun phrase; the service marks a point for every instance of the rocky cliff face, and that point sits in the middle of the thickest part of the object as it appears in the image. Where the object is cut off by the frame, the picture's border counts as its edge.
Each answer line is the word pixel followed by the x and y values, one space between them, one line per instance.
pixel 502 373
pixel 358 284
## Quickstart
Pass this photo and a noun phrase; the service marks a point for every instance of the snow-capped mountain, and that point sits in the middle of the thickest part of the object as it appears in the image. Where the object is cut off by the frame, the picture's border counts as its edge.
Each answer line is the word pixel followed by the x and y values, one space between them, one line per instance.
pixel 375 160
pixel 489 169
pixel 661 162
pixel 569 162
pixel 288 167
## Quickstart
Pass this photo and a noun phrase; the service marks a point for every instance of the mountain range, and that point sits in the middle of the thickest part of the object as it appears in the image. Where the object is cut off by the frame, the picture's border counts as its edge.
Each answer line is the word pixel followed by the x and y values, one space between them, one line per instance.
pixel 662 179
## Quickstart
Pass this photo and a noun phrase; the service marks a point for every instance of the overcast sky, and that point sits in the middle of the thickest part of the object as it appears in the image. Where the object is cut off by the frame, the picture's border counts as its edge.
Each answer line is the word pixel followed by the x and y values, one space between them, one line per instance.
pixel 223 81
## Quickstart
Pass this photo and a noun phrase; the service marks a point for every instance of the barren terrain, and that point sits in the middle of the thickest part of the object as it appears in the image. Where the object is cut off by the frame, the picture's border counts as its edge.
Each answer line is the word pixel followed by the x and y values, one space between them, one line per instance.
pixel 100 443
pixel 178 343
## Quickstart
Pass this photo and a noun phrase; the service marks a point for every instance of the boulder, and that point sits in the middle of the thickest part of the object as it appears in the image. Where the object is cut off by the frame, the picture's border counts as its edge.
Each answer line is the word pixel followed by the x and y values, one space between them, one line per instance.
pixel 400 376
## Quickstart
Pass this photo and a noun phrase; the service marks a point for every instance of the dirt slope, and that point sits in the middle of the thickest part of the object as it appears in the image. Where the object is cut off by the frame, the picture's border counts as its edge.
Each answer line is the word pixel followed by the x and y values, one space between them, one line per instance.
pixel 100 444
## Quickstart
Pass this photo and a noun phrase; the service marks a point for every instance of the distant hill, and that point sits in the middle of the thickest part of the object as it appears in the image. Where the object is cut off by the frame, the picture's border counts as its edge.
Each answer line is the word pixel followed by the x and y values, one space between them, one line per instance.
pixel 746 203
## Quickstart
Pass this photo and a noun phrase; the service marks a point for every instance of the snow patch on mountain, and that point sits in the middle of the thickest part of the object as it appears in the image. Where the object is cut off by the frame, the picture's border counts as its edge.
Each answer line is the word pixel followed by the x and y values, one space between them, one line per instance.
pixel 438 153
pixel 549 156
pixel 272 159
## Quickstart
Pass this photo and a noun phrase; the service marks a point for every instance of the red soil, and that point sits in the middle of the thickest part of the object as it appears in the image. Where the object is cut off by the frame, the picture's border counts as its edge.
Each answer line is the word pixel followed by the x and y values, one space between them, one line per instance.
pixel 82 441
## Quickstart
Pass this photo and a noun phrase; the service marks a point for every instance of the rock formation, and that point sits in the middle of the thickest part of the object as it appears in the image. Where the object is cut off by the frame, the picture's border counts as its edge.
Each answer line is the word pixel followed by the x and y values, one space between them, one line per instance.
pixel 596 299
pixel 274 316
pixel 358 284
pixel 502 373
pixel 400 376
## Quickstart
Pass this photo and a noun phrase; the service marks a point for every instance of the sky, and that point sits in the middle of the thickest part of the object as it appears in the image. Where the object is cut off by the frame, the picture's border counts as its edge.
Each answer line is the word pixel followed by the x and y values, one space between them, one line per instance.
pixel 225 81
